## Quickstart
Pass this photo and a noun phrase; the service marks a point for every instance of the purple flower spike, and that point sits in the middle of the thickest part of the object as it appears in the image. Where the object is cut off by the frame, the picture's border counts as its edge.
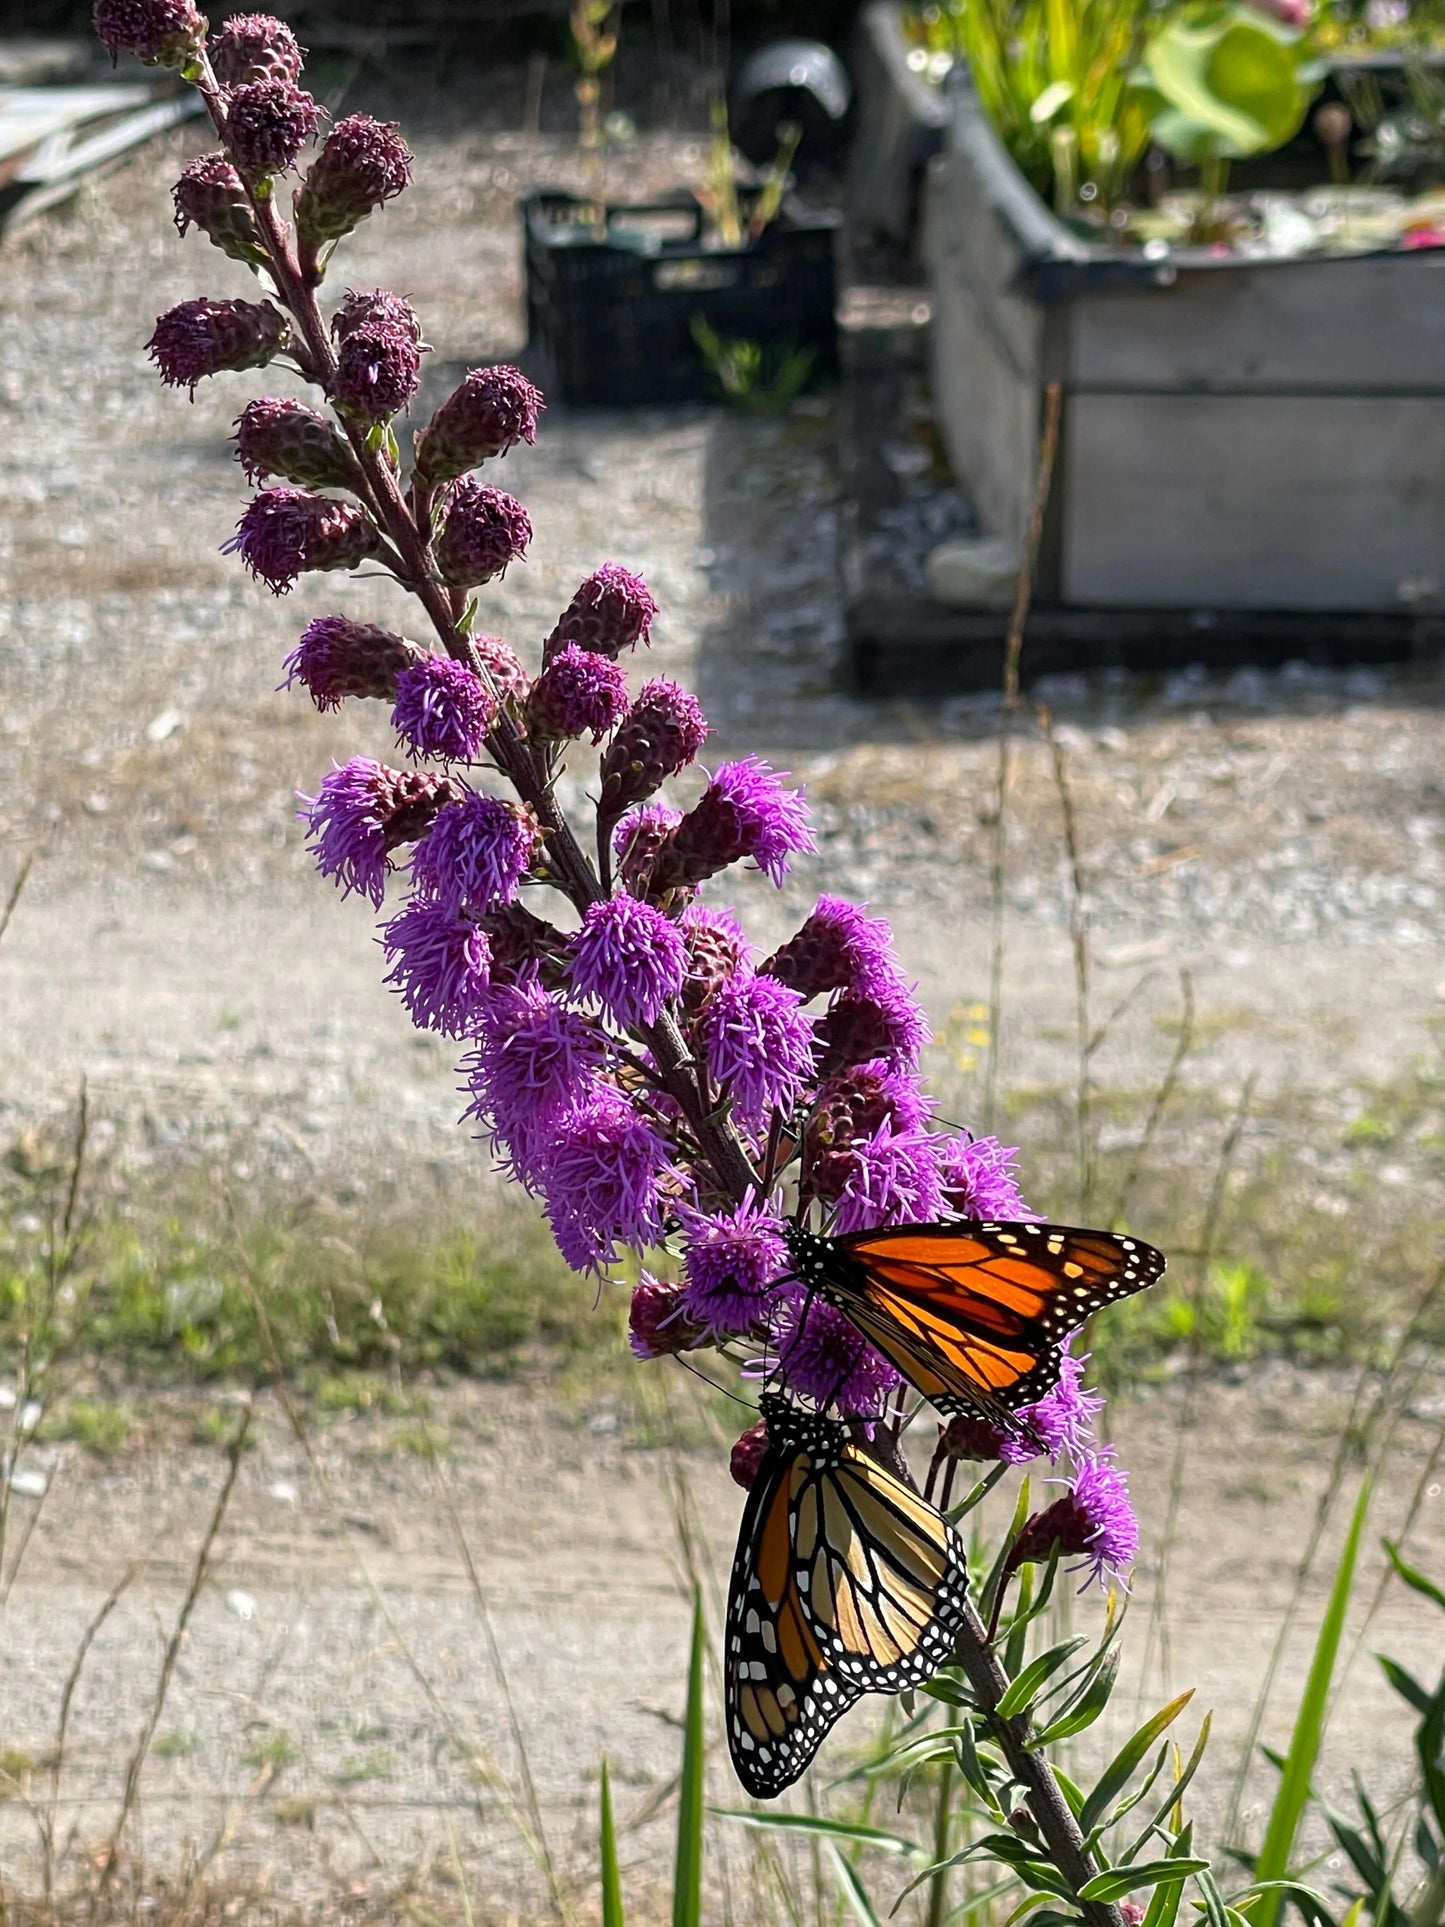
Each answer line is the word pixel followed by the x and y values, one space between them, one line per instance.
pixel 536 1062
pixel 255 46
pixel 482 531
pixel 613 610
pixel 892 1178
pixel 1063 1419
pixel 743 813
pixel 199 338
pixel 629 958
pixel 209 195
pixel 664 729
pixel 439 967
pixel 838 948
pixel 823 1356
pixel 602 1183
pixel 657 1323
pixel 163 33
pixel 887 1024
pixel 362 812
pixel 288 439
pixel 979 1182
pixel 733 1262
pixel 476 853
pixel 442 710
pixel 851 1106
pixel 758 1043
pixel 1094 1519
pixel 577 694
pixel 337 658
pixel 286 531
pixel 268 122
pixel 362 164
pixel 492 410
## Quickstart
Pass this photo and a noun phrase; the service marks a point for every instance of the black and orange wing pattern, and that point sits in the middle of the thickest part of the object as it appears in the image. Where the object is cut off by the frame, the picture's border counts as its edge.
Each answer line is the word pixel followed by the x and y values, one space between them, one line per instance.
pixel 974 1314
pixel 845 1583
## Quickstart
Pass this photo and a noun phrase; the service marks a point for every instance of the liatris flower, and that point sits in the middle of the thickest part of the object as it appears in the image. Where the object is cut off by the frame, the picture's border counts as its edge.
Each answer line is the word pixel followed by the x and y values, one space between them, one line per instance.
pixel 209 195
pixel 268 122
pixel 733 1261
pixel 288 439
pixel 378 367
pixel 475 853
pixel 717 949
pixel 1063 1419
pixel 163 33
pixel 255 46
pixel 374 307
pixel 577 694
pixel 482 531
pixel 758 1043
pixel 337 657
pixel 838 948
pixel 525 949
pixel 1094 1518
pixel 285 532
pixel 492 410
pixel 535 1062
pixel 362 164
pixel 442 710
pixel 823 1356
pixel 602 1181
pixel 743 813
pixel 657 1324
pixel 745 1461
pixel 886 1023
pixel 629 958
pixel 660 735
pixel 611 611
pixel 440 967
pixel 979 1182
pixel 503 665
pixel 199 338
pixel 637 840
pixel 852 1106
pixel 891 1178
pixel 968 1436
pixel 362 812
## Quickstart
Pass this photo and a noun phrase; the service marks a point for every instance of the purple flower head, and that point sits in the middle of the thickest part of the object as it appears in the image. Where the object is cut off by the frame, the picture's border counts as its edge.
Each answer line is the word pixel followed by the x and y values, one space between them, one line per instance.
pixel 661 733
pixel 362 812
pixel 288 439
pixel 1093 1519
pixel 827 1359
pixel 373 308
pixel 577 694
pixel 200 338
pixel 978 1181
pixel 758 1043
pixel 602 1183
pixel 378 366
pixel 337 657
pixel 482 531
pixel 611 611
pixel 890 1177
pixel 525 949
pixel 536 1061
pixel 209 195
pixel 503 665
pixel 717 949
pixel 838 948
pixel 362 163
pixel 442 710
pixel 733 1261
pixel 255 46
pixel 439 967
pixel 657 1323
pixel 637 840
pixel 745 1461
pixel 492 410
pixel 1063 1419
pixel 887 1024
pixel 629 958
pixel 286 531
pixel 475 853
pixel 268 122
pixel 968 1436
pixel 163 33
pixel 850 1106
pixel 743 813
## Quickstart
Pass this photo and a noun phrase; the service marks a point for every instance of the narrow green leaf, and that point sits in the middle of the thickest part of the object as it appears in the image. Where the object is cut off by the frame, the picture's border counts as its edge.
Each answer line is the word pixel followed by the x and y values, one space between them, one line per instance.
pixel 1304 1746
pixel 1119 1881
pixel 852 1887
pixel 687 1880
pixel 1020 1696
pixel 814 1823
pixel 1085 1709
pixel 1015 1645
pixel 976 1903
pixel 989 1591
pixel 1412 1577
pixel 1176 1791
pixel 1050 101
pixel 1120 1770
pixel 467 620
pixel 1163 1908
pixel 1314 1907
pixel 612 1914
pixel 1405 1684
pixel 1214 1907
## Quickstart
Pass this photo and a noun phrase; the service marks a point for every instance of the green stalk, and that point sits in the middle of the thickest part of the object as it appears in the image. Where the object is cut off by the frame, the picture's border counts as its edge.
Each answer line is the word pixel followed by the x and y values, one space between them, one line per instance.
pixel 687 1879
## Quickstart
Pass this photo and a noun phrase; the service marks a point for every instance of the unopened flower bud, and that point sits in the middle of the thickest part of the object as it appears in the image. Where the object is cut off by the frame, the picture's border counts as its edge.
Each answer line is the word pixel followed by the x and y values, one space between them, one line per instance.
pixel 286 438
pixel 657 1323
pixel 209 195
pixel 503 665
pixel 660 735
pixel 362 812
pixel 968 1437
pixel 482 531
pixel 378 367
pixel 370 307
pixel 636 842
pixel 577 694
pixel 362 163
pixel 285 532
pixel 744 813
pixel 492 410
pixel 337 657
pixel 524 947
pixel 200 338
pixel 255 46
pixel 162 33
pixel 746 1458
pixel 611 611
pixel 268 122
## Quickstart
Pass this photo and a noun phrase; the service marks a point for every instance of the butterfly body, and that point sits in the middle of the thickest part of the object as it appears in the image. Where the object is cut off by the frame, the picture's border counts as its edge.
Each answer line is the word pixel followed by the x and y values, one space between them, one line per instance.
pixel 845 1582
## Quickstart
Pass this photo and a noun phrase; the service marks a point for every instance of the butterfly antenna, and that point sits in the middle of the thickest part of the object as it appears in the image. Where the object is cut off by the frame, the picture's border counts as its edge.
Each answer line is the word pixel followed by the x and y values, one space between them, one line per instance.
pixel 716 1384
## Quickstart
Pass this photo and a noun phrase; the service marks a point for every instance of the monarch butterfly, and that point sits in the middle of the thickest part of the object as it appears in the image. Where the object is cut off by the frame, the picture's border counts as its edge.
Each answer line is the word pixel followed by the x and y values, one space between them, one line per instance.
pixel 973 1314
pixel 845 1582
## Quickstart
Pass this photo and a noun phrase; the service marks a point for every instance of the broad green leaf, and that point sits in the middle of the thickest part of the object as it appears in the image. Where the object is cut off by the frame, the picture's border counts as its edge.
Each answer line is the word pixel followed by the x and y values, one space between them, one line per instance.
pixel 1085 1709
pixel 852 1887
pixel 1121 1881
pixel 1120 1770
pixel 687 1877
pixel 612 1914
pixel 1412 1578
pixel 1020 1695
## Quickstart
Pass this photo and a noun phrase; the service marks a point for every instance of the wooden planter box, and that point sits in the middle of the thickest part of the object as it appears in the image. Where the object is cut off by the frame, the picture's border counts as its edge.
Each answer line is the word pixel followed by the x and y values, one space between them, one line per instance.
pixel 901 123
pixel 1237 435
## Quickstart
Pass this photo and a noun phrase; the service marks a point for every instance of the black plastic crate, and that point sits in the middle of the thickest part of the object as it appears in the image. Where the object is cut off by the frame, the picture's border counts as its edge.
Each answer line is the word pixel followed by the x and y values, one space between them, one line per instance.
pixel 612 292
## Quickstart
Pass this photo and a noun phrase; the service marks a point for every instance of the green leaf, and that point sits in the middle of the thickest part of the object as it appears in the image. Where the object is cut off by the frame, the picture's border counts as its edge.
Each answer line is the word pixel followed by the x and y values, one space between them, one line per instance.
pixel 1120 1770
pixel 1176 1791
pixel 1119 1881
pixel 687 1879
pixel 467 620
pixel 1021 1694
pixel 852 1886
pixel 829 1829
pixel 1412 1577
pixel 1222 83
pixel 1163 1908
pixel 1405 1684
pixel 612 1915
pixel 1314 1906
pixel 1085 1709
pixel 1050 101
pixel 1304 1746
pixel 1214 1907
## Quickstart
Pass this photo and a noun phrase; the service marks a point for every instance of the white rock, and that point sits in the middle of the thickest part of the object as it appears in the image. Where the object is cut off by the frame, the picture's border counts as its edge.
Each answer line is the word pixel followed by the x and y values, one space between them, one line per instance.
pixel 973 572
